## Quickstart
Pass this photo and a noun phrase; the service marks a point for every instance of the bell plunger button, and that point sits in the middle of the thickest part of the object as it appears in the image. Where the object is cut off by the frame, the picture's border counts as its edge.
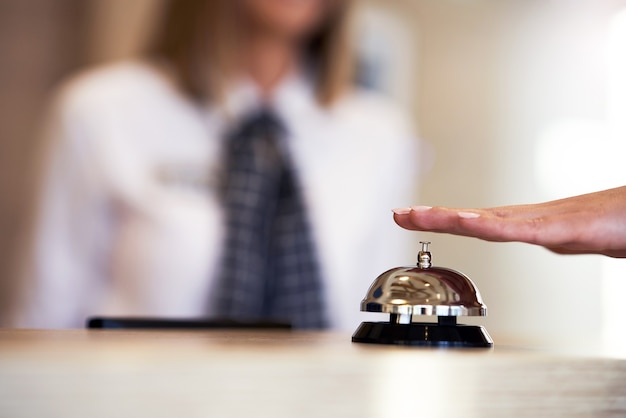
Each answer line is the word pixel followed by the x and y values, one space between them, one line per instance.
pixel 423 257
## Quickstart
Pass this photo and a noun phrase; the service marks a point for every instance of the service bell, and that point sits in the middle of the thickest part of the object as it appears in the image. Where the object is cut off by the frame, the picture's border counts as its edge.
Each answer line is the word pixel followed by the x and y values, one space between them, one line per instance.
pixel 404 292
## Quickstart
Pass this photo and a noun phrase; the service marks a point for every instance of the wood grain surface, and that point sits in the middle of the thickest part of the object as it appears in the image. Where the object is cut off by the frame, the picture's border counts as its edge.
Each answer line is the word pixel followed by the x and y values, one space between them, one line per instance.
pixel 291 374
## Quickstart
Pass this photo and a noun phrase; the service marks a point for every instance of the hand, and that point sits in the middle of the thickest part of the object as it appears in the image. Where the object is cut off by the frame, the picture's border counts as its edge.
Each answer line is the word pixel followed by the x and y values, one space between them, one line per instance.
pixel 594 223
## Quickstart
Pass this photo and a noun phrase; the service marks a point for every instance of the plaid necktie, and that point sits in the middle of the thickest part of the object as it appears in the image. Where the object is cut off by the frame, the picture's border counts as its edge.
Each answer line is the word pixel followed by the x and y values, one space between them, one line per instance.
pixel 269 269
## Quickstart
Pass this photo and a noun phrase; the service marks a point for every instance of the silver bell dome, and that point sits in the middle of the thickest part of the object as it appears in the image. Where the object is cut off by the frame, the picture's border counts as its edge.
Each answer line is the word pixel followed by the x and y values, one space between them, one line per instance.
pixel 424 290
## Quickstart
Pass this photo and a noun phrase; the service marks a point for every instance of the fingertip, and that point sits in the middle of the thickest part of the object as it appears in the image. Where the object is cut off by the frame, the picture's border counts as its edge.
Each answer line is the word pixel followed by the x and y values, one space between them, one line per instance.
pixel 421 208
pixel 421 217
pixel 401 211
pixel 404 221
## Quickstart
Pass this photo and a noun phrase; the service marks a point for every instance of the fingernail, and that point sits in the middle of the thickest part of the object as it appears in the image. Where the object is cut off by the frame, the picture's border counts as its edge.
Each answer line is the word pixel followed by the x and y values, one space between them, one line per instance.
pixel 468 215
pixel 401 211
pixel 421 208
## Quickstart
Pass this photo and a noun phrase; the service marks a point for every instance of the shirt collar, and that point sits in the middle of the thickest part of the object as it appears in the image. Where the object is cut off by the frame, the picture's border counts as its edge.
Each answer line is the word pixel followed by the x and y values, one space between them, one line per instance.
pixel 293 95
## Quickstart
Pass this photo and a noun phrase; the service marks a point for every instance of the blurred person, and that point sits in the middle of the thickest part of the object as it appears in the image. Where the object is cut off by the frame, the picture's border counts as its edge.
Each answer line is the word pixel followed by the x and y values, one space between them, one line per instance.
pixel 593 223
pixel 219 176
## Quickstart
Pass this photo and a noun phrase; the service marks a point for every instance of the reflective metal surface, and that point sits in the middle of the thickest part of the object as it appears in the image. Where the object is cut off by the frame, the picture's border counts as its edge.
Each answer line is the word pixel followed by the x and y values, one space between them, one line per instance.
pixel 424 257
pixel 424 291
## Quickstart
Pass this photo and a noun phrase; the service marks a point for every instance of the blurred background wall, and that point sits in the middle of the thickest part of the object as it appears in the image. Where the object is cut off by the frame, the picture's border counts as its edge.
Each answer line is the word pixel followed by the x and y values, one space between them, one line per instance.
pixel 516 97
pixel 40 43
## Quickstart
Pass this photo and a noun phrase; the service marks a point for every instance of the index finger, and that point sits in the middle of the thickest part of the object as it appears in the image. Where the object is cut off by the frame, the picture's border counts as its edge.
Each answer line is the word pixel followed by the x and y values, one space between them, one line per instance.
pixel 486 224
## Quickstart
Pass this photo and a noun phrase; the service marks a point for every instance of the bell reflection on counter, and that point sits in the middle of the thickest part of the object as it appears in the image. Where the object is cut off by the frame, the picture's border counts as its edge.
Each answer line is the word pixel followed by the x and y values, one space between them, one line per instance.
pixel 403 292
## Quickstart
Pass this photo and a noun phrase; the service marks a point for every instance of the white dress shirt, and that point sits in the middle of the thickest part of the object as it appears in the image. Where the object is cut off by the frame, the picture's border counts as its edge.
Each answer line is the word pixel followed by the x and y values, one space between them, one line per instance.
pixel 130 221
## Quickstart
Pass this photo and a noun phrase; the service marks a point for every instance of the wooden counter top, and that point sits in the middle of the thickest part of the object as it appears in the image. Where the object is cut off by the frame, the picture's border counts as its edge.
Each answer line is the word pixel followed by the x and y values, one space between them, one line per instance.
pixel 291 374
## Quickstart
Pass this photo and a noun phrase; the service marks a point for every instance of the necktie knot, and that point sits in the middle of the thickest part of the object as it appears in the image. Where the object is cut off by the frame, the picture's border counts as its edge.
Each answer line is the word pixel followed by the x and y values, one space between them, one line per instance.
pixel 262 124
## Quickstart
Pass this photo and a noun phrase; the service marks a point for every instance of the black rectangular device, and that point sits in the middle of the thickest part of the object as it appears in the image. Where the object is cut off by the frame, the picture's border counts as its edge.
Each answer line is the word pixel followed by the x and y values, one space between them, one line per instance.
pixel 102 322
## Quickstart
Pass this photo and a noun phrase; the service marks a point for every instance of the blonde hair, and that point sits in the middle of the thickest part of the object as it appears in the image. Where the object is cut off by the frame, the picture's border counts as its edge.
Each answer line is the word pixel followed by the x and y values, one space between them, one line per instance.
pixel 197 38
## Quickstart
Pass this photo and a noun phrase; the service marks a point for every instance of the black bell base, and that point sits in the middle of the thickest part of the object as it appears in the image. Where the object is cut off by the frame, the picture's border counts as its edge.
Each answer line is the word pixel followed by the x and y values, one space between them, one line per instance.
pixel 423 334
